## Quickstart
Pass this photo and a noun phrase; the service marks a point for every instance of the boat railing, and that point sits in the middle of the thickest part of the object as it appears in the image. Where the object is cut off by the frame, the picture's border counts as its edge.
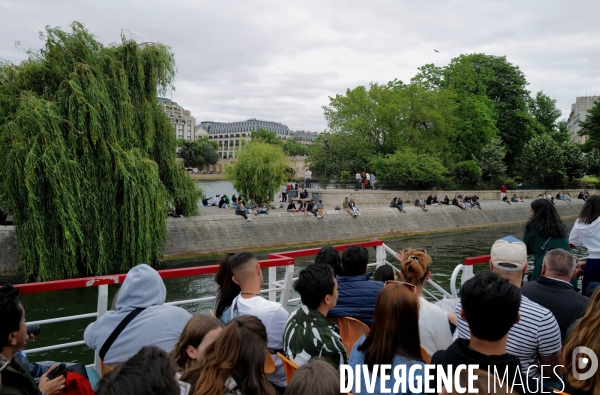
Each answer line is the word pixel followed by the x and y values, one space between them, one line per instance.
pixel 280 268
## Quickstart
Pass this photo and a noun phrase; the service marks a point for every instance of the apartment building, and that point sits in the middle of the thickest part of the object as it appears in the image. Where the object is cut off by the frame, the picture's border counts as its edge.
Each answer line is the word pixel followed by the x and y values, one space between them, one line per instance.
pixel 184 125
pixel 579 111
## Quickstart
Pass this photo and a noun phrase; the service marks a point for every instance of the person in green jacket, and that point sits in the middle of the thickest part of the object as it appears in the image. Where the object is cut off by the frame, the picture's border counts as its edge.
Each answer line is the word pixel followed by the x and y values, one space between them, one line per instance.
pixel 544 231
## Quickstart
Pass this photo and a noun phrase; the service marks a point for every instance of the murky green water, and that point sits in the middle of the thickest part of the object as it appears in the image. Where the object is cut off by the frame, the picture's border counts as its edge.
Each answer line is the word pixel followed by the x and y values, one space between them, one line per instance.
pixel 447 251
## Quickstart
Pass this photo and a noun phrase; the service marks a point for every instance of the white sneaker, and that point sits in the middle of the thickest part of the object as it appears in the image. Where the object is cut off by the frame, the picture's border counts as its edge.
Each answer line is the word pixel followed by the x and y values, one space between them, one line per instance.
pixel 248 220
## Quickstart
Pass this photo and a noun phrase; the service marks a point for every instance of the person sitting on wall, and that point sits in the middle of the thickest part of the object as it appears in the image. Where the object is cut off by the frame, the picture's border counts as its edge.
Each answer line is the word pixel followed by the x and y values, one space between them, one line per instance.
pixel 514 198
pixel 291 208
pixel 353 207
pixel 310 208
pixel 320 209
pixel 263 209
pixel 346 206
pixel 400 205
pixel 455 201
pixel 447 200
pixel 304 194
pixel 142 297
pixel 394 202
pixel 522 198
pixel 357 295
pixel 429 200
pixel 217 200
pixel 222 203
pixel 302 208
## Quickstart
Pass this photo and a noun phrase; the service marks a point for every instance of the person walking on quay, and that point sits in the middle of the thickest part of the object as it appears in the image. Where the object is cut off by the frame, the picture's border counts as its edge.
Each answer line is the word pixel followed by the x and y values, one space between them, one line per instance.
pixel 284 190
pixel 308 178
pixel 373 181
pixel 544 231
pixel 502 192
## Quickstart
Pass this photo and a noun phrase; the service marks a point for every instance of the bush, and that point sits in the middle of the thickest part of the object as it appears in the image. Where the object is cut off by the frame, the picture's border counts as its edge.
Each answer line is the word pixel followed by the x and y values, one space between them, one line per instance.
pixel 510 183
pixel 410 170
pixel 467 173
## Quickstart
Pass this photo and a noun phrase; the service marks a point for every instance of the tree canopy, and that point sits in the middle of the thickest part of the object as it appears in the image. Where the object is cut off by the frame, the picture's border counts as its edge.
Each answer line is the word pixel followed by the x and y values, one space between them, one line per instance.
pixel 345 153
pixel 204 152
pixel 88 167
pixel 259 172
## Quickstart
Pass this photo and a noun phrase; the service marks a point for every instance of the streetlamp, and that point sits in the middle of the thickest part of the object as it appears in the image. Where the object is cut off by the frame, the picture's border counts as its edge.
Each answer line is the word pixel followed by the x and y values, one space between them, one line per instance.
pixel 325 149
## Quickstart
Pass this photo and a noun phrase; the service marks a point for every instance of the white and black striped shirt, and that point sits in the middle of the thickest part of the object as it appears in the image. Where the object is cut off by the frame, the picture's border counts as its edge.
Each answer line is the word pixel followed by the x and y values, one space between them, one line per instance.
pixel 536 333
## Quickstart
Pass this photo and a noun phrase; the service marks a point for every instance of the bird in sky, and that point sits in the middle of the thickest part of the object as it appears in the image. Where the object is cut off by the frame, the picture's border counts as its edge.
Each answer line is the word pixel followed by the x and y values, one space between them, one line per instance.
pixel 436 50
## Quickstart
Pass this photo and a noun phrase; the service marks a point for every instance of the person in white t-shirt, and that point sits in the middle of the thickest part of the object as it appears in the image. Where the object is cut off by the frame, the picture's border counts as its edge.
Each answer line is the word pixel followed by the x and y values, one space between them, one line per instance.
pixel 308 178
pixel 247 274
pixel 535 339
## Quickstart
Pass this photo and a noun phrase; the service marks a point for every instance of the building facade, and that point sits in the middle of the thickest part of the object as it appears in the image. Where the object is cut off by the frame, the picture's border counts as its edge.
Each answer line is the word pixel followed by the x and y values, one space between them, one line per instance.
pixel 230 135
pixel 183 123
pixel 304 138
pixel 579 111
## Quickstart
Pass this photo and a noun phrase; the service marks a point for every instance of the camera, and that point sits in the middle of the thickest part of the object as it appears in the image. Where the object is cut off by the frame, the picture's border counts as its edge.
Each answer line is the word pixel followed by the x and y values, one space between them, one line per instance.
pixel 33 329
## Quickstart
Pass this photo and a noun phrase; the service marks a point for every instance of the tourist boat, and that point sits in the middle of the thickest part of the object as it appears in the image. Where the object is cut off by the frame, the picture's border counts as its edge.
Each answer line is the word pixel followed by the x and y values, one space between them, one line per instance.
pixel 279 285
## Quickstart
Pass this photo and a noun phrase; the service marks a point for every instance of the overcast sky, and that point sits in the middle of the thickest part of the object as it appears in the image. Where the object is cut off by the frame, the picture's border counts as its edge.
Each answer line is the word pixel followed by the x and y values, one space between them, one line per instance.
pixel 281 60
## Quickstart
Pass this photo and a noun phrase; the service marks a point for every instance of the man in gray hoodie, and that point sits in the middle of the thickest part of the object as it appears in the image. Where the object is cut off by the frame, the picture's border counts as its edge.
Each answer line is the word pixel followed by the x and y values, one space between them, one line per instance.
pixel 157 324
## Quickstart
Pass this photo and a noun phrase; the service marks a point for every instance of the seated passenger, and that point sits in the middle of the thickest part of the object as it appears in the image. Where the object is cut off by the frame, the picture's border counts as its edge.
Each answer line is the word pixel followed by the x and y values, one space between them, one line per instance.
pixel 357 295
pixel 13 330
pixel 490 305
pixel 385 273
pixel 434 325
pixel 235 363
pixel 149 372
pixel 330 257
pixel 143 293
pixel 198 334
pixel 308 333
pixel 393 338
pixel 317 377
pixel 247 274
pixel 585 333
pixel 228 290
pixel 536 336
pixel 554 291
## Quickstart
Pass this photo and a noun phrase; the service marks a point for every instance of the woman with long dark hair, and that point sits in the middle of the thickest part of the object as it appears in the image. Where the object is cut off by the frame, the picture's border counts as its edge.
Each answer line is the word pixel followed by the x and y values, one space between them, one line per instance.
pixel 234 363
pixel 394 336
pixel 544 231
pixel 586 232
pixel 228 290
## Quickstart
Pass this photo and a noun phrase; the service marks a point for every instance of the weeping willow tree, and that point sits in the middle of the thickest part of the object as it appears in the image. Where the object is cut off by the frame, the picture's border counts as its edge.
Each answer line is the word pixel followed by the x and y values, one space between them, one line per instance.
pixel 87 163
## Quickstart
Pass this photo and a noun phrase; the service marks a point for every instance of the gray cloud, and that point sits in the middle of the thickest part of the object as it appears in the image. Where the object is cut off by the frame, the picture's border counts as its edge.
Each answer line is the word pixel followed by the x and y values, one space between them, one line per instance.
pixel 281 61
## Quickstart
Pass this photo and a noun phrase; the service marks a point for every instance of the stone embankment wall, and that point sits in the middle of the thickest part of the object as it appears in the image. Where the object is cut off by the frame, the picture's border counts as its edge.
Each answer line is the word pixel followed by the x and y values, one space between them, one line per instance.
pixel 220 230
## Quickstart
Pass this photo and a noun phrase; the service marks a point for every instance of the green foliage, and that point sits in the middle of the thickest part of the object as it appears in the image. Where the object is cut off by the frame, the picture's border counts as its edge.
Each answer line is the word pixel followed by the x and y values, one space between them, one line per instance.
pixel 562 135
pixel 392 116
pixel 591 128
pixel 510 183
pixel 574 160
pixel 293 147
pixel 592 160
pixel 345 153
pixel 544 112
pixel 204 150
pixel 266 136
pixel 467 173
pixel 504 86
pixel 542 160
pixel 407 169
pixel 88 157
pixel 492 159
pixel 259 172
pixel 345 176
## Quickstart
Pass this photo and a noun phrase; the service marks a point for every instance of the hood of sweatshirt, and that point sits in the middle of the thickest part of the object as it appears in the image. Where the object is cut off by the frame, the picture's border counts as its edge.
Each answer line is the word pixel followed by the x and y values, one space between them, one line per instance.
pixel 589 230
pixel 143 287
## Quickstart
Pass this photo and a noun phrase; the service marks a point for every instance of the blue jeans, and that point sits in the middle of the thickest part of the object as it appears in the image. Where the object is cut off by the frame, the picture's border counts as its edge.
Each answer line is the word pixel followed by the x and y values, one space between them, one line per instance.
pixel 591 273
pixel 400 207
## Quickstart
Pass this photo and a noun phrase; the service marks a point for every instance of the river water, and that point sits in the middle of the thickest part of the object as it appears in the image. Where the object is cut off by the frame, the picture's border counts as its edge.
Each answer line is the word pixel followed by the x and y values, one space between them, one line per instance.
pixel 446 250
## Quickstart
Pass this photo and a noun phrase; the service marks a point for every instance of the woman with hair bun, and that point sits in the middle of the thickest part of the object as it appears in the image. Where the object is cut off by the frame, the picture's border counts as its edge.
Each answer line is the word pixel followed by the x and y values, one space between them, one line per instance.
pixel 434 327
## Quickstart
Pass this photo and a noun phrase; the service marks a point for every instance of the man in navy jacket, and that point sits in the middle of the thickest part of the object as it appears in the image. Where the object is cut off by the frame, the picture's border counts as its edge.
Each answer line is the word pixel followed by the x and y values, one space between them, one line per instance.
pixel 357 295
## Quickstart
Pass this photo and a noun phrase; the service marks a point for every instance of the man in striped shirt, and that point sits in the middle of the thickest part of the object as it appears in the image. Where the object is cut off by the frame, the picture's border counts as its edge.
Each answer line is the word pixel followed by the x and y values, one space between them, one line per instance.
pixel 535 339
